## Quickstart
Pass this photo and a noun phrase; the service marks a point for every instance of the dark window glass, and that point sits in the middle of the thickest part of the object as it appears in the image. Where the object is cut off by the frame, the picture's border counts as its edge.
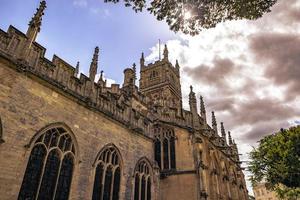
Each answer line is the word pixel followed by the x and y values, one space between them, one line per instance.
pixel 172 152
pixel 143 192
pixel 149 189
pixel 116 184
pixel 142 183
pixel 108 168
pixel 97 191
pixel 50 176
pixel 33 173
pixel 65 178
pixel 107 184
pixel 136 187
pixel 166 153
pixel 157 154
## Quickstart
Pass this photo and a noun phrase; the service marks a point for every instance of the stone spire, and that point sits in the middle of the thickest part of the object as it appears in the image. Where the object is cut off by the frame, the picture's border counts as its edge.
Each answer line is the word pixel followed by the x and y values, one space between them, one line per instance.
pixel 202 109
pixel 134 71
pixel 142 61
pixel 223 131
pixel 76 70
pixel 94 65
pixel 166 53
pixel 36 22
pixel 214 122
pixel 229 138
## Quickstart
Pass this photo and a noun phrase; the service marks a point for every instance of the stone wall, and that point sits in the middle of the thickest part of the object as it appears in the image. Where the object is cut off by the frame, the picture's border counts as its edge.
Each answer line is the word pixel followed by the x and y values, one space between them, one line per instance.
pixel 26 106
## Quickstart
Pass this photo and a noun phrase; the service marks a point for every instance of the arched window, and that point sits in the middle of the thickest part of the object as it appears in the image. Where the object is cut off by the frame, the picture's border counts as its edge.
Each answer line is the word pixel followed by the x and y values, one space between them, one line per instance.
pixel 142 181
pixel 1 132
pixel 50 166
pixel 164 147
pixel 107 175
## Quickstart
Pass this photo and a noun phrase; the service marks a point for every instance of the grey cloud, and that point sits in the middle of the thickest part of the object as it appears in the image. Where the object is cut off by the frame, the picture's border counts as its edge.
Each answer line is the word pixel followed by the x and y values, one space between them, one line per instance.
pixel 263 129
pixel 281 55
pixel 212 74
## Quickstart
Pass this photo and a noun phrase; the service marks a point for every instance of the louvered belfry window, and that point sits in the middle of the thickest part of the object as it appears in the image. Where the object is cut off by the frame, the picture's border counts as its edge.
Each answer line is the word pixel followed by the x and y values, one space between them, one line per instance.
pixel 164 147
pixel 50 167
pixel 107 175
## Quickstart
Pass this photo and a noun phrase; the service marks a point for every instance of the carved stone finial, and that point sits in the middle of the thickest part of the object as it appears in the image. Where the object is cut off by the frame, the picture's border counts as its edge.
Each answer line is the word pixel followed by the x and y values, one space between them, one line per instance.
pixel 177 65
pixel 223 131
pixel 36 22
pixel 142 60
pixel 77 69
pixel 229 138
pixel 202 109
pixel 166 53
pixel 214 122
pixel 101 75
pixel 94 65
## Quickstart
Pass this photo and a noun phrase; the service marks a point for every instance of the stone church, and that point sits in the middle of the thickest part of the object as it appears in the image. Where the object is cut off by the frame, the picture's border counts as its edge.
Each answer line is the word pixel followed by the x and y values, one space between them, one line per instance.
pixel 65 135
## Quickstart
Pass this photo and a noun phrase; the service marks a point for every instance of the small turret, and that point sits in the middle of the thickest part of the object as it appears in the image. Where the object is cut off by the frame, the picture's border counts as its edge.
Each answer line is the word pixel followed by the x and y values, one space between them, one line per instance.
pixel 76 72
pixel 202 109
pixel 94 65
pixel 130 76
pixel 166 53
pixel 214 122
pixel 223 131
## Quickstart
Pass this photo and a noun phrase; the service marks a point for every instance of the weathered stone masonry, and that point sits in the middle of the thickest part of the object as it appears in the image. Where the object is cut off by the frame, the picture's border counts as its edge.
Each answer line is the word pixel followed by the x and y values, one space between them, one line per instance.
pixel 152 140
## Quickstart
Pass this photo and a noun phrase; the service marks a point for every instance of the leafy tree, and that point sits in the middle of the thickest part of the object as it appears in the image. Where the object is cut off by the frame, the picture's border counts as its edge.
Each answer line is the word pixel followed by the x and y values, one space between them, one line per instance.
pixel 191 16
pixel 277 162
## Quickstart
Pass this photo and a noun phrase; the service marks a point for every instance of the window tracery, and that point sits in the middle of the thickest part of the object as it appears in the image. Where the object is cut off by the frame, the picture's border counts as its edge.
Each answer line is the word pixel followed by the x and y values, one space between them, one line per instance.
pixel 50 167
pixel 107 175
pixel 164 147
pixel 142 181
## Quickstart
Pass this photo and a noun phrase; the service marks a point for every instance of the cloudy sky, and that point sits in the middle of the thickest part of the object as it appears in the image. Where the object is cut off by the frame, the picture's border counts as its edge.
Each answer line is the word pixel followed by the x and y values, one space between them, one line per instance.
pixel 247 71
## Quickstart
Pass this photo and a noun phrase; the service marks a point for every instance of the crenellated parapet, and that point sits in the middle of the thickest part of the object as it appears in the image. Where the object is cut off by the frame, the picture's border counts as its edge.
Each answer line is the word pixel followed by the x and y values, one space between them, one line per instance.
pixel 157 99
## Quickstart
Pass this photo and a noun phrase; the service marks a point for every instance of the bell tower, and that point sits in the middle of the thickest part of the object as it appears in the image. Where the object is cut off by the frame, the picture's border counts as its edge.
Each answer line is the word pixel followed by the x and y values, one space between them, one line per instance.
pixel 160 81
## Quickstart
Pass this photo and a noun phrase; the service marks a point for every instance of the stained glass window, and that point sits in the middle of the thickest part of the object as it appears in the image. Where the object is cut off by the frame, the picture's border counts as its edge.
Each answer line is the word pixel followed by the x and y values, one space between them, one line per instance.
pixel 142 181
pixel 49 171
pixel 107 175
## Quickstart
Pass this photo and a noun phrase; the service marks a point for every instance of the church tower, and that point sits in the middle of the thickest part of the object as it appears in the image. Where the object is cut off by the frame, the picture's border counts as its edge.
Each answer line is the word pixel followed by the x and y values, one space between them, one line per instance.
pixel 160 81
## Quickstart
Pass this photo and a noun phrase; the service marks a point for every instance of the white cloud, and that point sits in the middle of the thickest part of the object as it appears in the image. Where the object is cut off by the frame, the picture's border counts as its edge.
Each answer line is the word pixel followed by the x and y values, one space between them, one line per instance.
pixel 80 3
pixel 236 94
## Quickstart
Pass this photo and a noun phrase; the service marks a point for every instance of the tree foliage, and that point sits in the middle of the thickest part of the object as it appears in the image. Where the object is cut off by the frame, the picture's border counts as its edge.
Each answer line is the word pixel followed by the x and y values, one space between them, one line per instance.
pixel 277 162
pixel 191 16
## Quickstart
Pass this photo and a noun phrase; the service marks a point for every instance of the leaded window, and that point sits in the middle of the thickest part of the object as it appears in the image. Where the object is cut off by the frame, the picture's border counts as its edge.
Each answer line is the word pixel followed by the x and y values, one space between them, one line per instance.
pixel 50 167
pixel 164 147
pixel 142 181
pixel 107 175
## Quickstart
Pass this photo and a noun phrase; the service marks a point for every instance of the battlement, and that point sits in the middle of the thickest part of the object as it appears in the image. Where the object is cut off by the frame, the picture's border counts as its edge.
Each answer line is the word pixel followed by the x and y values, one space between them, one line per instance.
pixel 128 105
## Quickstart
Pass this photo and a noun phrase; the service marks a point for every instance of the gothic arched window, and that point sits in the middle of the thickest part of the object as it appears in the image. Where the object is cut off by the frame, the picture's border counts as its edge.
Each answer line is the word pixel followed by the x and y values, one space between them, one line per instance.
pixel 142 181
pixel 107 175
pixel 50 167
pixel 164 148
